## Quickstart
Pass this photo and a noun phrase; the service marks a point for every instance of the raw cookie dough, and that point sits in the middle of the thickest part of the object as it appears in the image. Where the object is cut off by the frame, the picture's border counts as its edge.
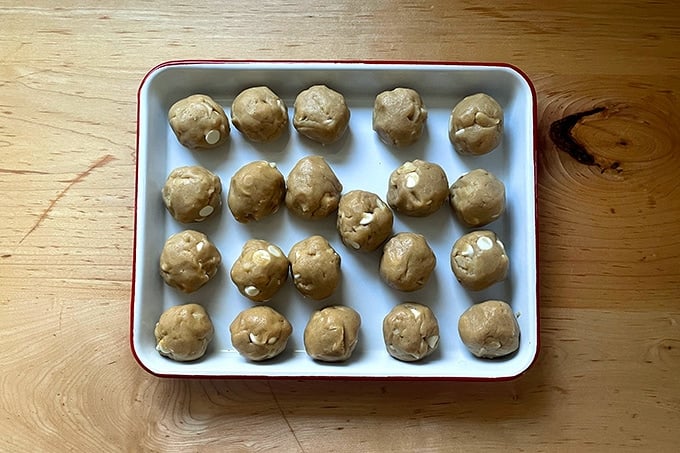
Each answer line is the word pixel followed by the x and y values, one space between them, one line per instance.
pixel 183 332
pixel 256 191
pixel 259 114
pixel 313 190
pixel 478 260
pixel 477 198
pixel 192 193
pixel 476 125
pixel 260 333
pixel 411 332
pixel 321 114
pixel 315 267
pixel 260 270
pixel 489 329
pixel 199 122
pixel 189 260
pixel 364 220
pixel 399 116
pixel 407 262
pixel 332 333
pixel 417 188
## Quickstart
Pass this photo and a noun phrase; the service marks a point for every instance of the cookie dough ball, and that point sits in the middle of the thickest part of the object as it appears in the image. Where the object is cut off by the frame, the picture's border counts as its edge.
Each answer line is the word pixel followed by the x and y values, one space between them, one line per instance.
pixel 260 270
pixel 399 116
pixel 192 193
pixel 321 114
pixel 259 114
pixel 315 267
pixel 489 329
pixel 199 122
pixel 478 260
pixel 411 332
pixel 256 191
pixel 313 189
pixel 260 333
pixel 189 260
pixel 477 198
pixel 407 262
pixel 332 333
pixel 183 332
pixel 476 125
pixel 364 220
pixel 417 188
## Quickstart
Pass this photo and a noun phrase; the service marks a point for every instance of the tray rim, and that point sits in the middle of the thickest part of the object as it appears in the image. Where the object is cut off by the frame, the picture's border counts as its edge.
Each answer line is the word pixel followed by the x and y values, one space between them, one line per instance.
pixel 283 62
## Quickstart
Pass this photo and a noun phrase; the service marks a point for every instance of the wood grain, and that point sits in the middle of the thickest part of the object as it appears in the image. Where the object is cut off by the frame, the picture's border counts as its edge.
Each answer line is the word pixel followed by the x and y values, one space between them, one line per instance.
pixel 606 376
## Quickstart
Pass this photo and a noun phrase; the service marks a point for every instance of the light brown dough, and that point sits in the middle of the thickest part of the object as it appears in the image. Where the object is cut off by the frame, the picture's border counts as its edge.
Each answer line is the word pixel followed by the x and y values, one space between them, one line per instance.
pixel 183 332
pixel 192 193
pixel 478 260
pixel 399 116
pixel 417 188
pixel 321 114
pixel 259 114
pixel 407 262
pixel 199 122
pixel 315 267
pixel 364 220
pixel 477 198
pixel 332 333
pixel 260 270
pixel 489 329
pixel 313 190
pixel 411 332
pixel 189 260
pixel 256 191
pixel 476 125
pixel 260 333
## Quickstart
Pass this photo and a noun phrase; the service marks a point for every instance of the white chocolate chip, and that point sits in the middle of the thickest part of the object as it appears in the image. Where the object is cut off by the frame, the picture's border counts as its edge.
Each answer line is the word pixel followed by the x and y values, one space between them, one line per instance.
pixel 196 315
pixel 274 251
pixel 272 164
pixel 353 244
pixel 212 137
pixel 206 211
pixel 468 250
pixel 432 341
pixel 261 257
pixel 255 339
pixel 296 276
pixel 272 340
pixel 412 180
pixel 460 132
pixel 406 167
pixel 251 291
pixel 200 245
pixel 416 313
pixel 366 218
pixel 484 243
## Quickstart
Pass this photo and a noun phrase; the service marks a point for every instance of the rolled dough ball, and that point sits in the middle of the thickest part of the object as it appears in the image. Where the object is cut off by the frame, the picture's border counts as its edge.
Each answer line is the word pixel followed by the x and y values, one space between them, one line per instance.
pixel 260 333
pixel 407 262
pixel 315 267
pixel 199 122
pixel 411 332
pixel 332 333
pixel 364 220
pixel 260 270
pixel 476 125
pixel 192 193
pixel 321 114
pixel 313 190
pixel 477 198
pixel 417 188
pixel 256 191
pixel 183 332
pixel 489 329
pixel 189 260
pixel 399 116
pixel 259 114
pixel 478 260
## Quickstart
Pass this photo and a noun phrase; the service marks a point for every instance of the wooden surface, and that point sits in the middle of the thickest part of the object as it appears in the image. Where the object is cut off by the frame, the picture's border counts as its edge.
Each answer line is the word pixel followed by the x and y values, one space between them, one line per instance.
pixel 607 377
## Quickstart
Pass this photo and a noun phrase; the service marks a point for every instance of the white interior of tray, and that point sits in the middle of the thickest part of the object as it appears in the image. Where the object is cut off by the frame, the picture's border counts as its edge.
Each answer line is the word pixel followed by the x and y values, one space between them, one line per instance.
pixel 361 161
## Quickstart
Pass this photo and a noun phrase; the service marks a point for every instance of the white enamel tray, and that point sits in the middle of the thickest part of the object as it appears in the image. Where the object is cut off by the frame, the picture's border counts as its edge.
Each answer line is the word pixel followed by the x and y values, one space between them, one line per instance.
pixel 361 161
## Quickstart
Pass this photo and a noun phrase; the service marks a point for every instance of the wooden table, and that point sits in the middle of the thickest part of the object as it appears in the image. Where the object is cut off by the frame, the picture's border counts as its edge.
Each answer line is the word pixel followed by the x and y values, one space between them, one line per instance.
pixel 607 376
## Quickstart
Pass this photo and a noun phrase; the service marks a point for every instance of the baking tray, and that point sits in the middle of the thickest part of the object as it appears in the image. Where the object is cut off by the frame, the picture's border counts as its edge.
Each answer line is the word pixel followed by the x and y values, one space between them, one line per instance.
pixel 361 161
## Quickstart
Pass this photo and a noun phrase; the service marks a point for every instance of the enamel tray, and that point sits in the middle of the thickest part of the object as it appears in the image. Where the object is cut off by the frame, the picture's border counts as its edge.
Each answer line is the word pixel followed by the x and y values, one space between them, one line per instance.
pixel 361 161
